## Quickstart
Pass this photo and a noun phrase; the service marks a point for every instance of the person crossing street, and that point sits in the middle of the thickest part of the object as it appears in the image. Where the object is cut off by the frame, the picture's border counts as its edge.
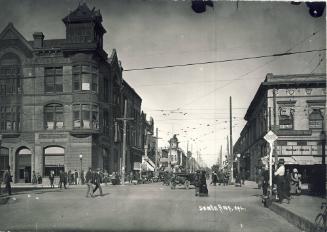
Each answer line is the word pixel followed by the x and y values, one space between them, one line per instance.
pixel 88 181
pixel 97 182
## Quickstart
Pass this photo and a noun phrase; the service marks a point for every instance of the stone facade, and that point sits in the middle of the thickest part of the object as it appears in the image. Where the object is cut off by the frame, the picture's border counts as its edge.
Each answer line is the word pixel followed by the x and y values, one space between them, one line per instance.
pixel 294 107
pixel 59 99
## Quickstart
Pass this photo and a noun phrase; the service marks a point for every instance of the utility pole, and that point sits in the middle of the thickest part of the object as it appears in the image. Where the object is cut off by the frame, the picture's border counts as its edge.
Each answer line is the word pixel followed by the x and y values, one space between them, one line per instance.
pixel 125 119
pixel 221 156
pixel 156 155
pixel 231 137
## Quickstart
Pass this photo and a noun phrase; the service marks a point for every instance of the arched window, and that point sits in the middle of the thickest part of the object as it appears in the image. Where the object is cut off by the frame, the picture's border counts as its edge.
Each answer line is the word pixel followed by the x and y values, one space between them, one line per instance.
pixel 54 116
pixel 315 119
pixel 54 160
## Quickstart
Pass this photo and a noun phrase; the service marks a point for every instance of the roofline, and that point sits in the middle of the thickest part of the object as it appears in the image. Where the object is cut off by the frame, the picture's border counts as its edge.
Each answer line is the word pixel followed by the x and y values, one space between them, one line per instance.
pixel 133 90
pixel 265 85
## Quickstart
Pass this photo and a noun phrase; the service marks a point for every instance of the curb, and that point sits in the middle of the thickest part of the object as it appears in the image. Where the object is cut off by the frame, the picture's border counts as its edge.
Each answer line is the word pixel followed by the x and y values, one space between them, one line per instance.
pixel 296 220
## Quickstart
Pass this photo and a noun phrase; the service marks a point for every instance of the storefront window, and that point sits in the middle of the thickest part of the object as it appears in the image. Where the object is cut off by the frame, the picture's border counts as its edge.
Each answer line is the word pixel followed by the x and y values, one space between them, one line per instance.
pixel 54 160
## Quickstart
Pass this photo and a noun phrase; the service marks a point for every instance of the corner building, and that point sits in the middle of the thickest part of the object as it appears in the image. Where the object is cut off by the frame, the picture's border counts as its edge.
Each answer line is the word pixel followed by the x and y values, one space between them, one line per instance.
pixel 294 107
pixel 59 99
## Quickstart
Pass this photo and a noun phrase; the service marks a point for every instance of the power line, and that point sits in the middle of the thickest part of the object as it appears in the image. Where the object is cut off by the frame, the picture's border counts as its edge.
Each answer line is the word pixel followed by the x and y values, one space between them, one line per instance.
pixel 225 60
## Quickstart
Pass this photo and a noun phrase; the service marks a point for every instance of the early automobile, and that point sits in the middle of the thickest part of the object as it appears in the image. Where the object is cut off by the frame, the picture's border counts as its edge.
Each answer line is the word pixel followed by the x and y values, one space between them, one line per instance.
pixel 185 179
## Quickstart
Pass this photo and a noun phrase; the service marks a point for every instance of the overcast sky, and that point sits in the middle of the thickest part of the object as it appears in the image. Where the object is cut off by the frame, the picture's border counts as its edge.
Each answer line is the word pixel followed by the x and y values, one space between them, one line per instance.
pixel 157 33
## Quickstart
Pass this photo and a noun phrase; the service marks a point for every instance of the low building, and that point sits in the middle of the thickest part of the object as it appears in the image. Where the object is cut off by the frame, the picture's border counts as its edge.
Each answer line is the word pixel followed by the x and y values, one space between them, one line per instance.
pixel 294 107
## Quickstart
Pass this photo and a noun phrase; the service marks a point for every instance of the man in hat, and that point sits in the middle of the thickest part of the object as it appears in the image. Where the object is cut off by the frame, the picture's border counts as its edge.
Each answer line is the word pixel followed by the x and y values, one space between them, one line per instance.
pixel 7 178
pixel 280 179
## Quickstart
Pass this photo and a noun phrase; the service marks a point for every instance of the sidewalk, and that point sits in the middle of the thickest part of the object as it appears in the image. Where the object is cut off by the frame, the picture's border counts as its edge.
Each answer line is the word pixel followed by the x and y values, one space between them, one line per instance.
pixel 301 211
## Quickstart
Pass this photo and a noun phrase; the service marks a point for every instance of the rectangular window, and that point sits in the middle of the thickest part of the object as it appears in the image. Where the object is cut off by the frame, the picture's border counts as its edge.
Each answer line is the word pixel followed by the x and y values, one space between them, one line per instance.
pixel 53 79
pixel 86 116
pixel 86 81
pixel 95 117
pixel 76 116
pixel 85 78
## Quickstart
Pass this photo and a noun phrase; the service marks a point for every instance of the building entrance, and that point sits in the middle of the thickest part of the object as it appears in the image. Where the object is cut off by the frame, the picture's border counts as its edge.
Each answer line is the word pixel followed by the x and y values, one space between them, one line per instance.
pixel 23 165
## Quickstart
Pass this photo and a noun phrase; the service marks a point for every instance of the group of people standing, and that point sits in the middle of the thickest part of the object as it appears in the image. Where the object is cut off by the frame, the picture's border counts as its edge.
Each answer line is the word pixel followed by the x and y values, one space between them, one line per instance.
pixel 221 177
pixel 287 183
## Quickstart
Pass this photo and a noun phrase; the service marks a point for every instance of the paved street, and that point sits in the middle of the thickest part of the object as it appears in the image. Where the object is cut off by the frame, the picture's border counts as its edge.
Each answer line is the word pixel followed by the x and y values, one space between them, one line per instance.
pixel 148 207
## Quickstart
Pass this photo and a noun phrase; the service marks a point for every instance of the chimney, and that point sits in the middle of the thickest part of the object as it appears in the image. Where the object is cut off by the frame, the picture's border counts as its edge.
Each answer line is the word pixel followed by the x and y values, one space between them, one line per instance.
pixel 38 39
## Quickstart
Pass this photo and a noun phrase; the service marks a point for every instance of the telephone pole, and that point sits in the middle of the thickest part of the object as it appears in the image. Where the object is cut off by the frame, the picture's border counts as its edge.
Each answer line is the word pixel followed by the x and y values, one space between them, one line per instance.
pixel 124 119
pixel 156 155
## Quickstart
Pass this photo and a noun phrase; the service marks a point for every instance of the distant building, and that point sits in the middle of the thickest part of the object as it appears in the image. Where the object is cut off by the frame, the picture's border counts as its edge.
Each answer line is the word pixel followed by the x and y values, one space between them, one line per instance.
pixel 59 100
pixel 294 107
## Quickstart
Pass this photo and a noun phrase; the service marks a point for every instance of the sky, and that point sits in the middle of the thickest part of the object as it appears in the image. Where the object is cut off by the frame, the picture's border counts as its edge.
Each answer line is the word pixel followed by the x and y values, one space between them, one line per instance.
pixel 191 101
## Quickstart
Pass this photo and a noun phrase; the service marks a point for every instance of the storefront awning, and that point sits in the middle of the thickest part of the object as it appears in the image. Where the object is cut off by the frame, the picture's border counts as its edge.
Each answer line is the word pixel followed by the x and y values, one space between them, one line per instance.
pixel 146 166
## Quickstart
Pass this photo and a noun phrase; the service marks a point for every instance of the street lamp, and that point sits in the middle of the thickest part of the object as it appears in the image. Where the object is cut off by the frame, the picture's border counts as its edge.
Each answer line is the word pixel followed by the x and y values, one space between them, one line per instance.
pixel 81 159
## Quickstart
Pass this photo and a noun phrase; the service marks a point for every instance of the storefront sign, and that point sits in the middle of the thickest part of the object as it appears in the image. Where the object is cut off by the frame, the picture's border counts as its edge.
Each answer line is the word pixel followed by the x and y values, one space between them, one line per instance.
pixel 298 150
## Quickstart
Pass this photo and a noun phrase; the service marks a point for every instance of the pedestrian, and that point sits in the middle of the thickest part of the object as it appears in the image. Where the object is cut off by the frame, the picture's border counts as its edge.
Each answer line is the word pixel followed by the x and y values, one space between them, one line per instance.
pixel 280 179
pixel 288 183
pixel 97 182
pixel 214 178
pixel 75 176
pixel 106 177
pixel 88 180
pixel 265 181
pixel 69 177
pixel 243 176
pixel 62 179
pixel 34 179
pixel 39 178
pixel 197 182
pixel 295 182
pixel 26 176
pixel 82 177
pixel 7 179
pixel 203 189
pixel 51 178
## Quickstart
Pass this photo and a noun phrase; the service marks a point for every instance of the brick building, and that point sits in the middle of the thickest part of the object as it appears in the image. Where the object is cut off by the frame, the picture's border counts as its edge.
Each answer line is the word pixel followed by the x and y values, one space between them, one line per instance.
pixel 294 107
pixel 59 99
